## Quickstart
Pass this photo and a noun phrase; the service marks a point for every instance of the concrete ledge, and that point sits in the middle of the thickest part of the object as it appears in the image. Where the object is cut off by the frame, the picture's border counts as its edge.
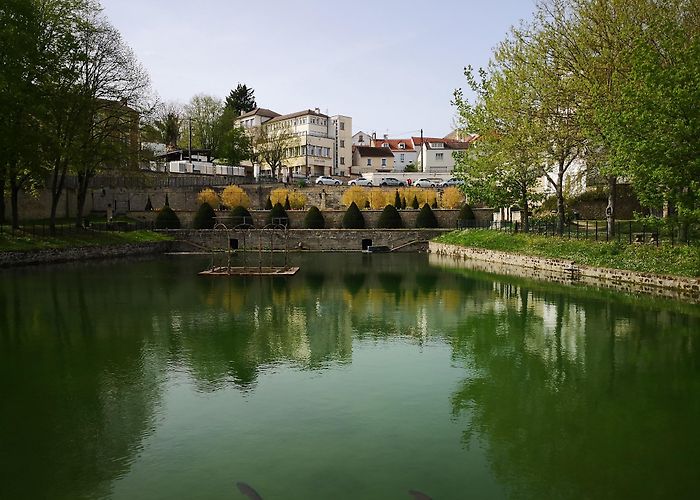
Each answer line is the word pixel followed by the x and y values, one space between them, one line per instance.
pixel 566 271
pixel 55 255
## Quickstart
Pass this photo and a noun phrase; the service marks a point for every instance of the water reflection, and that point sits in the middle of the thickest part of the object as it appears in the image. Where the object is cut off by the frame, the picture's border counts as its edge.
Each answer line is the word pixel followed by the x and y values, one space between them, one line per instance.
pixel 570 393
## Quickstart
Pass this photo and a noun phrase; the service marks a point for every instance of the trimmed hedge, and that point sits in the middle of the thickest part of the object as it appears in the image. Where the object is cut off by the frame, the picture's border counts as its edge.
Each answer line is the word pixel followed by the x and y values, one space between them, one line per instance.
pixel 466 213
pixel 397 200
pixel 314 219
pixel 278 215
pixel 241 215
pixel 353 218
pixel 167 219
pixel 205 218
pixel 426 218
pixel 268 204
pixel 415 204
pixel 390 218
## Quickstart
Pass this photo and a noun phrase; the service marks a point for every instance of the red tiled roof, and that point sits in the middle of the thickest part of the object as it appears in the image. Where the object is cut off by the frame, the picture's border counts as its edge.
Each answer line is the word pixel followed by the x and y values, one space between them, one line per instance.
pixel 260 111
pixel 373 152
pixel 447 143
pixel 394 144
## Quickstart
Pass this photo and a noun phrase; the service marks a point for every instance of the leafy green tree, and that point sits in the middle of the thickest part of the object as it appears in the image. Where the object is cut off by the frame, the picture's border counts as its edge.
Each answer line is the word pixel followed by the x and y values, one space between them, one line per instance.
pixel 167 219
pixel 314 219
pixel 426 218
pixel 353 219
pixel 232 143
pixel 241 100
pixel 390 218
pixel 205 218
pixel 203 114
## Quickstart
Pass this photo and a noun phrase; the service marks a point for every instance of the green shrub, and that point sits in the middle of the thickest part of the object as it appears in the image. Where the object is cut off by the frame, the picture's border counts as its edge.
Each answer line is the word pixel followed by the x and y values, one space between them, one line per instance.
pixel 205 218
pixel 314 219
pixel 397 200
pixel 390 218
pixel 287 205
pixel 414 203
pixel 167 219
pixel 466 213
pixel 241 215
pixel 426 218
pixel 278 215
pixel 268 204
pixel 353 218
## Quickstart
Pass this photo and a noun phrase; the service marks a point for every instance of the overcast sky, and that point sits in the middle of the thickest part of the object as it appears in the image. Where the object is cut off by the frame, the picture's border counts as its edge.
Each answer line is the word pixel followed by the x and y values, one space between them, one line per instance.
pixel 390 65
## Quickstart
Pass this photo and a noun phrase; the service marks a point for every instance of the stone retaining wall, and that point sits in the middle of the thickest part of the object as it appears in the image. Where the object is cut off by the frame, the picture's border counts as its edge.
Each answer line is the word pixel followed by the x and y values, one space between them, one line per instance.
pixel 55 255
pixel 315 240
pixel 560 270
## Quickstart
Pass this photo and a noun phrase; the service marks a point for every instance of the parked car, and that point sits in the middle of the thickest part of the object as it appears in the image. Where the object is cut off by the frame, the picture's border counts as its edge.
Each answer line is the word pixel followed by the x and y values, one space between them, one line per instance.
pixel 360 181
pixel 327 181
pixel 425 183
pixel 453 181
pixel 390 181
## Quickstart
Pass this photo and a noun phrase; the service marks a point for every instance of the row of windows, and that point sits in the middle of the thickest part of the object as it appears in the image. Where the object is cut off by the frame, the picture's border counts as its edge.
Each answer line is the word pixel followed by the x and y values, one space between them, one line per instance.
pixel 369 162
pixel 308 150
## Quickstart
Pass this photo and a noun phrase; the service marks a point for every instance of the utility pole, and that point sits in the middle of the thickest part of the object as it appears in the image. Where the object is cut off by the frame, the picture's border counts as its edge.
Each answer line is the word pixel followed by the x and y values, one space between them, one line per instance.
pixel 190 147
pixel 422 152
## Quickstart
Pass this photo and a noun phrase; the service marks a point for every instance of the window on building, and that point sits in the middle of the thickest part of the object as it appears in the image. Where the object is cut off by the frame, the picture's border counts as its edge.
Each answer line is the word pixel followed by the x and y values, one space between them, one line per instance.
pixel 369 162
pixel 342 143
pixel 437 145
pixel 402 157
pixel 342 160
pixel 438 156
pixel 342 125
pixel 402 145
pixel 383 162
pixel 385 144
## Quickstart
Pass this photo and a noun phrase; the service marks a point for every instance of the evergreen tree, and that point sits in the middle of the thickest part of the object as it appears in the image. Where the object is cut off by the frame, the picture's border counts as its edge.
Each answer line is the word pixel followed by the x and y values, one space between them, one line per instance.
pixel 205 218
pixel 167 219
pixel 241 215
pixel 397 200
pixel 287 206
pixel 415 204
pixel 390 218
pixel 241 99
pixel 268 204
pixel 353 218
pixel 426 218
pixel 314 219
pixel 278 215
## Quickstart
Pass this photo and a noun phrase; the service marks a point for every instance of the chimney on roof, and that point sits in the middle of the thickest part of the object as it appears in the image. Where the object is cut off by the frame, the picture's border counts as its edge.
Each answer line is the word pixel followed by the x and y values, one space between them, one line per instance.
pixel 386 136
pixel 317 110
pixel 374 136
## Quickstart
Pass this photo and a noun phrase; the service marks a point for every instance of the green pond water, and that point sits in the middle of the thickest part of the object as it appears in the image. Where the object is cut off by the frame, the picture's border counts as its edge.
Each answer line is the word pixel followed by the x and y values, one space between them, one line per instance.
pixel 362 377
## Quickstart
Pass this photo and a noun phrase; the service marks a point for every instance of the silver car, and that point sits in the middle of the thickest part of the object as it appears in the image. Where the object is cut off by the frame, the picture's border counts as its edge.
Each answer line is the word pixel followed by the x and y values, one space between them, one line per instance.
pixel 360 181
pixel 425 183
pixel 453 181
pixel 390 181
pixel 327 181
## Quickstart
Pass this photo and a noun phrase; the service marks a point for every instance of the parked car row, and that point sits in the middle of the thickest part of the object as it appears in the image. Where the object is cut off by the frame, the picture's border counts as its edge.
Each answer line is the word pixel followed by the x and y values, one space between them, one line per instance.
pixel 389 181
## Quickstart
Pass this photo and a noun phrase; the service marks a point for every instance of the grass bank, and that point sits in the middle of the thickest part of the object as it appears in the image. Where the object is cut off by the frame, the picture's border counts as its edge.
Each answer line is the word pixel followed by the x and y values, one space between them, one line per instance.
pixel 24 242
pixel 679 260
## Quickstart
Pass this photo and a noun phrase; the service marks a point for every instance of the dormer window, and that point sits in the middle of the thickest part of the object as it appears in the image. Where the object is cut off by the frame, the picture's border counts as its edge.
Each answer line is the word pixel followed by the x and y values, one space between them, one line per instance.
pixel 385 144
pixel 437 145
pixel 402 145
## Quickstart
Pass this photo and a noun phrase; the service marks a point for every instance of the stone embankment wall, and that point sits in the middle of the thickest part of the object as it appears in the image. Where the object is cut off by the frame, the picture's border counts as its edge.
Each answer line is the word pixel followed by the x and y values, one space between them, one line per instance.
pixel 315 240
pixel 565 271
pixel 55 255
pixel 447 219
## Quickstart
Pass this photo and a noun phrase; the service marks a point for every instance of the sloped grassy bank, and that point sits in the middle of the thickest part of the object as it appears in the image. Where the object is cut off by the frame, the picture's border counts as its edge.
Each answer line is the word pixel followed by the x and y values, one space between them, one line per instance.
pixel 679 260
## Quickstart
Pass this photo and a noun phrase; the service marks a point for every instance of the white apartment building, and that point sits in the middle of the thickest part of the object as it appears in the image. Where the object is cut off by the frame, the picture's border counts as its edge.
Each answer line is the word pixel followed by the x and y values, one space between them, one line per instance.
pixel 434 155
pixel 321 145
pixel 404 151
pixel 362 139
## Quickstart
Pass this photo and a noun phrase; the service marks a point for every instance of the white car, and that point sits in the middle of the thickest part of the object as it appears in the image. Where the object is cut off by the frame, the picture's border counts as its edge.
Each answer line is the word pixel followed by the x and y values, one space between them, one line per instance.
pixel 454 181
pixel 327 181
pixel 360 181
pixel 391 181
pixel 425 183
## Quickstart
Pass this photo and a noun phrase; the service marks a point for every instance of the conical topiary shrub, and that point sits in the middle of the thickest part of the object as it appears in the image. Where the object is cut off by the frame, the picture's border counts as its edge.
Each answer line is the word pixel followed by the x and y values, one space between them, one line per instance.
pixel 205 218
pixel 390 218
pixel 426 218
pixel 403 203
pixel 149 205
pixel 287 206
pixel 278 215
pixel 435 205
pixel 414 203
pixel 241 215
pixel 314 219
pixel 353 218
pixel 167 219
pixel 466 217
pixel 167 201
pixel 397 200
pixel 268 204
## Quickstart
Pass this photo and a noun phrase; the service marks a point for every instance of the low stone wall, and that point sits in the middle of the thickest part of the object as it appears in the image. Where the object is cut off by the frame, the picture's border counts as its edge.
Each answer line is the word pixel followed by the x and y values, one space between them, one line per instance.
pixel 55 255
pixel 314 240
pixel 447 219
pixel 560 270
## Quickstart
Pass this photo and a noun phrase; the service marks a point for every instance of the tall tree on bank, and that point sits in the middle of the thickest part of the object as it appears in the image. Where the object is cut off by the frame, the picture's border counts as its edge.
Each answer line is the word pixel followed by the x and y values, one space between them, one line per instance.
pixel 168 124
pixel 271 145
pixel 114 90
pixel 241 100
pixel 233 144
pixel 501 167
pixel 202 113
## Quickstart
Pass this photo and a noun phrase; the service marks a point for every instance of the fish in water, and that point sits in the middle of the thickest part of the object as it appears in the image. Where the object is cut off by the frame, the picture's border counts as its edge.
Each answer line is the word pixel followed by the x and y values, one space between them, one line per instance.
pixel 418 495
pixel 248 491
